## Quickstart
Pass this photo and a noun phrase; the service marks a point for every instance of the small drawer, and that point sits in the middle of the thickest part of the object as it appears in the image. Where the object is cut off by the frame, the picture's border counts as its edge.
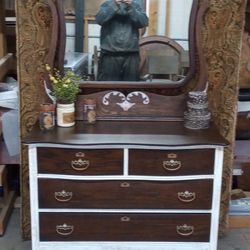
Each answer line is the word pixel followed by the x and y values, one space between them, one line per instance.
pixel 195 194
pixel 124 227
pixel 80 161
pixel 171 162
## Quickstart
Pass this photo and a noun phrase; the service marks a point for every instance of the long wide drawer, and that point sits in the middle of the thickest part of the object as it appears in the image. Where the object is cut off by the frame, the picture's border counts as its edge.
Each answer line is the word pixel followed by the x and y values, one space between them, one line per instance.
pixel 171 162
pixel 124 227
pixel 194 194
pixel 80 161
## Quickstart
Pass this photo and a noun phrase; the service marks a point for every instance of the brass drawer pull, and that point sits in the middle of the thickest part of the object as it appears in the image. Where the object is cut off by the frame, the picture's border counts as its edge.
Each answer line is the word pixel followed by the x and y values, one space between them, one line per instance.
pixel 186 196
pixel 64 229
pixel 80 154
pixel 185 230
pixel 63 196
pixel 171 165
pixel 80 165
pixel 125 185
pixel 125 219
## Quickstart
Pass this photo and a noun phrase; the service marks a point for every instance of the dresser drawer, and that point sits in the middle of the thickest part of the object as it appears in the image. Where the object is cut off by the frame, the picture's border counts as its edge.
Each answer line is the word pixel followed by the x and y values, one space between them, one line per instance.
pixel 171 162
pixel 124 227
pixel 80 161
pixel 195 194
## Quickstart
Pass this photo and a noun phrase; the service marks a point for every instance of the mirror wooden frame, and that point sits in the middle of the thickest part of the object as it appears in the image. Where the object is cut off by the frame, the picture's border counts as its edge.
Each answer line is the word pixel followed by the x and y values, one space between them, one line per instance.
pixel 169 108
pixel 194 80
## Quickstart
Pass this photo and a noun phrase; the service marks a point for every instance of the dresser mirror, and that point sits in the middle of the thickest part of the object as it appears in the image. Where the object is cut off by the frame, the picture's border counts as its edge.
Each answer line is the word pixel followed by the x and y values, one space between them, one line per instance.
pixel 164 56
pixel 168 66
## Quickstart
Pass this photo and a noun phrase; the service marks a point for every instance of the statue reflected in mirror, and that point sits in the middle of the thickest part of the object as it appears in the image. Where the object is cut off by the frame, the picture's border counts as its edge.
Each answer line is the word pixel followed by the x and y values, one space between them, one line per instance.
pixel 120 22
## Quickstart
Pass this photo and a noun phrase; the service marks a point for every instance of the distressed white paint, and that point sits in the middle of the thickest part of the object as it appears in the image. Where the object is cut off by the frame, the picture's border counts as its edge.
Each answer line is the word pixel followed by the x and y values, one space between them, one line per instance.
pixel 214 228
pixel 122 246
pixel 244 106
pixel 212 245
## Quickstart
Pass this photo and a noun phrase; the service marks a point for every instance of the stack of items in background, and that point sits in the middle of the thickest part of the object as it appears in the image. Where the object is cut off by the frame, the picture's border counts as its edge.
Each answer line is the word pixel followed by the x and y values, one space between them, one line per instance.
pixel 197 115
pixel 9 119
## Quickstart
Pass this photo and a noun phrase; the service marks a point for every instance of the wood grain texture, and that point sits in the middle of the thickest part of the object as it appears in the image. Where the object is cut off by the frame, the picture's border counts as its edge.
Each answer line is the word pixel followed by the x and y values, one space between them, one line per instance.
pixel 153 13
pixel 110 161
pixel 221 29
pixel 110 227
pixel 152 162
pixel 140 133
pixel 34 29
pixel 222 34
pixel 125 194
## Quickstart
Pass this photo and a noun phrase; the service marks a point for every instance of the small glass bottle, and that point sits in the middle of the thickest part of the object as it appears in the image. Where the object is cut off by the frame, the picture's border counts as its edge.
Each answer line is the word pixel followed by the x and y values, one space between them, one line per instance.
pixel 47 116
pixel 89 110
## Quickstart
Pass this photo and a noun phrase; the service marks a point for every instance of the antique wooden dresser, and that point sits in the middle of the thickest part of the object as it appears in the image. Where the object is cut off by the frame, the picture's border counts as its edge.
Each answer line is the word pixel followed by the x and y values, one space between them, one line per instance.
pixel 125 185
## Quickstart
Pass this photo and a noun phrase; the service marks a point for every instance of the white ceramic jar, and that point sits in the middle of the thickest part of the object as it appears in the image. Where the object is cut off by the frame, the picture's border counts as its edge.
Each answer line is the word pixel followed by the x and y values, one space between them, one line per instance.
pixel 65 115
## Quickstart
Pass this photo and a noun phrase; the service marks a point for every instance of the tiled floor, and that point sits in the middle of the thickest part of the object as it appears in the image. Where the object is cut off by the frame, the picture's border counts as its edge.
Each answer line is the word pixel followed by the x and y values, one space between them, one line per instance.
pixel 234 240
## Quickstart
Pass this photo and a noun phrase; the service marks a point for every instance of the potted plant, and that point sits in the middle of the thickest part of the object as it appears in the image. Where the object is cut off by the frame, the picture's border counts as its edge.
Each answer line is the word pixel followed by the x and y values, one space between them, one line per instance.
pixel 65 89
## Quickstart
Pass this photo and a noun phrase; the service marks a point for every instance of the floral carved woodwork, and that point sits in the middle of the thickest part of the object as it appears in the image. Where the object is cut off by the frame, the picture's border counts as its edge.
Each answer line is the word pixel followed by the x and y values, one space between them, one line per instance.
pixel 222 29
pixel 35 26
pixel 221 37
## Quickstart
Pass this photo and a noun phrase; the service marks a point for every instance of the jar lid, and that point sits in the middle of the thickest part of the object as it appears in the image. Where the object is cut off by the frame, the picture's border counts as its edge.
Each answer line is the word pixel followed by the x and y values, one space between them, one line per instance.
pixel 45 107
pixel 89 101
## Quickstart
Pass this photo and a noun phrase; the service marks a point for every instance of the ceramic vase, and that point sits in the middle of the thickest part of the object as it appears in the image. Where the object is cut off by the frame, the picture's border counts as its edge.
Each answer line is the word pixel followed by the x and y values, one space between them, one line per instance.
pixel 65 115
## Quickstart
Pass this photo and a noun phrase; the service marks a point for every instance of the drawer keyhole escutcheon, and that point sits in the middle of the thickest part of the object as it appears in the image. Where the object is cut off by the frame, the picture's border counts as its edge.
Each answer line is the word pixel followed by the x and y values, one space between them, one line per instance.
pixel 186 196
pixel 185 230
pixel 63 196
pixel 80 164
pixel 125 219
pixel 64 229
pixel 171 165
pixel 125 185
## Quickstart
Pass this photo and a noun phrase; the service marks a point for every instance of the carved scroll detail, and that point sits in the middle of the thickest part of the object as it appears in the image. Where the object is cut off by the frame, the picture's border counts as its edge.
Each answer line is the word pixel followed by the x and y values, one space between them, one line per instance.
pixel 126 101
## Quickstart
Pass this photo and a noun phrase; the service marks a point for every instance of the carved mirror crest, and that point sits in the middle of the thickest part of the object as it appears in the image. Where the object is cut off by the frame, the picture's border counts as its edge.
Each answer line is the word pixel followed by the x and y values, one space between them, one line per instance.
pixel 158 54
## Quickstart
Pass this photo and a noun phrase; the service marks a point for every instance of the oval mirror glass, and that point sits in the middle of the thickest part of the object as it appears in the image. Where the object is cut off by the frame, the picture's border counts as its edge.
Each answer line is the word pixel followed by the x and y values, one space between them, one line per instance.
pixel 164 45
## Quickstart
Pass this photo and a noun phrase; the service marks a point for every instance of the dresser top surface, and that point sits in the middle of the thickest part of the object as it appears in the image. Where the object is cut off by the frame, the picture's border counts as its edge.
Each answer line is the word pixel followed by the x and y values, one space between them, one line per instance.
pixel 127 133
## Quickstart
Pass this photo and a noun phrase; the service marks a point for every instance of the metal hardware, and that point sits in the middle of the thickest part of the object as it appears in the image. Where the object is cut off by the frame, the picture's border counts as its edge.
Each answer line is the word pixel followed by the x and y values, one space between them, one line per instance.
pixel 171 165
pixel 80 165
pixel 64 229
pixel 125 219
pixel 125 185
pixel 185 230
pixel 186 196
pixel 80 154
pixel 172 156
pixel 63 196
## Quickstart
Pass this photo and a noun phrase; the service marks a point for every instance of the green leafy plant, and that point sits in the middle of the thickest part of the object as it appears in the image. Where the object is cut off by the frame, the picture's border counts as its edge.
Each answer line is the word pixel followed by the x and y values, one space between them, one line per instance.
pixel 65 87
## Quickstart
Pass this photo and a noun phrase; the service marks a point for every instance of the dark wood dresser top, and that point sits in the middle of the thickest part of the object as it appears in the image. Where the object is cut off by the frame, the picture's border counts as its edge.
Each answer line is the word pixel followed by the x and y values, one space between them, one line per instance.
pixel 127 133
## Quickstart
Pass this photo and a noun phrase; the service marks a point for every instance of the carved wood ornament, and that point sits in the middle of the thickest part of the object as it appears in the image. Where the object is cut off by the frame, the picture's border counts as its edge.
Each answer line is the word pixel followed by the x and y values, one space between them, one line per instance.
pixel 221 31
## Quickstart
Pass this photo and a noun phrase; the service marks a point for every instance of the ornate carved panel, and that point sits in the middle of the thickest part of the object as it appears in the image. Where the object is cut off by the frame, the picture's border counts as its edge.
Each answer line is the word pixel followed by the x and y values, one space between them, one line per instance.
pixel 34 26
pixel 222 29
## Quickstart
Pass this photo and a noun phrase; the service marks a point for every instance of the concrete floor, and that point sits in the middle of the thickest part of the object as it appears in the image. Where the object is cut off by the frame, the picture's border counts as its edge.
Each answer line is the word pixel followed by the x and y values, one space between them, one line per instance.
pixel 234 240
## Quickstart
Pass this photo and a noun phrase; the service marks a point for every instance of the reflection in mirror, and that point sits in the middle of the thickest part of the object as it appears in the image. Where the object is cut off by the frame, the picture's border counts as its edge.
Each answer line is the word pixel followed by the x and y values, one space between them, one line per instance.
pixel 121 22
pixel 164 45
